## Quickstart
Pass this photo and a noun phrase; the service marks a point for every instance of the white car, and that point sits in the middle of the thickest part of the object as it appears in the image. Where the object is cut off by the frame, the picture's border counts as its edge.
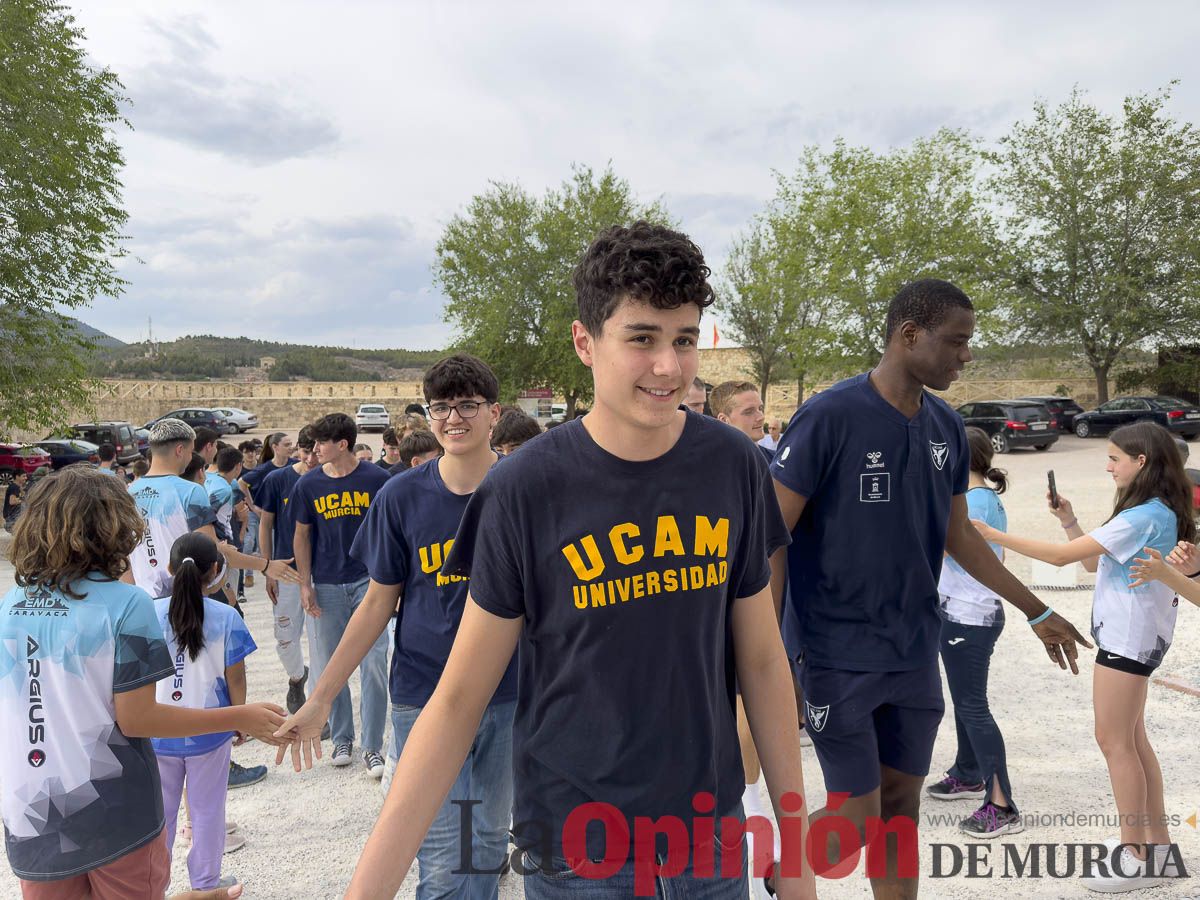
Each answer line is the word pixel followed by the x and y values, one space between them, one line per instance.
pixel 372 415
pixel 238 418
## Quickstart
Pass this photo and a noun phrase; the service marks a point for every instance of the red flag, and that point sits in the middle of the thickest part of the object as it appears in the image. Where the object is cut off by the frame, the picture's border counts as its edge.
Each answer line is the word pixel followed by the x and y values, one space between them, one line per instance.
pixel 716 337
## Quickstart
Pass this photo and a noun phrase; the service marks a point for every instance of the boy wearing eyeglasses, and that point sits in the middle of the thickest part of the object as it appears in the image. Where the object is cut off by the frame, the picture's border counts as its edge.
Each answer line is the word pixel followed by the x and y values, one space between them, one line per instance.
pixel 403 542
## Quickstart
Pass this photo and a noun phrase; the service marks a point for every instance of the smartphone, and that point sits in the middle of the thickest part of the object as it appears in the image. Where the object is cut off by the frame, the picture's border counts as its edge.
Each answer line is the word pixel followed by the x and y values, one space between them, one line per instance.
pixel 1053 488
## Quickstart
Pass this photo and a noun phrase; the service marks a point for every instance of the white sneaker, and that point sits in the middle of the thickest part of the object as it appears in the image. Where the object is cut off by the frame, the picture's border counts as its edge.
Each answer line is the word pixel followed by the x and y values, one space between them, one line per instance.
pixel 1127 874
pixel 341 755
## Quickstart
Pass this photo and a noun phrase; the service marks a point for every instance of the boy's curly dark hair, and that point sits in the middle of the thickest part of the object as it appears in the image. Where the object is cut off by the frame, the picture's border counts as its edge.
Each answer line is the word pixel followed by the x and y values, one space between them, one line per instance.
pixel 648 263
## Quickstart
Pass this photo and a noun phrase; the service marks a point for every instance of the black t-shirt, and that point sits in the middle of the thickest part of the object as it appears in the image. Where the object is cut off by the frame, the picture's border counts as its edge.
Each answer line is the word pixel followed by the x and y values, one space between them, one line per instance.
pixel 626 574
pixel 11 493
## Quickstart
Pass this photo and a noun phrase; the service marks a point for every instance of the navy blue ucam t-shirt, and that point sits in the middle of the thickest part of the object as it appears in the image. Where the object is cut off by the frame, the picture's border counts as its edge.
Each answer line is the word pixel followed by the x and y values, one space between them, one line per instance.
pixel 404 539
pixel 626 574
pixel 335 508
pixel 274 496
pixel 866 554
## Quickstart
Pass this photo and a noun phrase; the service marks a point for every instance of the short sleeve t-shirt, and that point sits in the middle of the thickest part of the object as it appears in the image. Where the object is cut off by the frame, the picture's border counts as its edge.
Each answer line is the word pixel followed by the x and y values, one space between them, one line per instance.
pixel 220 497
pixel 171 507
pixel 77 793
pixel 334 508
pixel 1135 622
pixel 626 574
pixel 200 683
pixel 405 539
pixel 867 552
pixel 12 500
pixel 274 496
pixel 254 477
pixel 963 599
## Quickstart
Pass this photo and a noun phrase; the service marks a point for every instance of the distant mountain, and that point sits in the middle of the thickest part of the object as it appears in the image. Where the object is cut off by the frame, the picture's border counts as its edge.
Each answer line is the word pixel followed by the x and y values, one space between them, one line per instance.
pixel 96 336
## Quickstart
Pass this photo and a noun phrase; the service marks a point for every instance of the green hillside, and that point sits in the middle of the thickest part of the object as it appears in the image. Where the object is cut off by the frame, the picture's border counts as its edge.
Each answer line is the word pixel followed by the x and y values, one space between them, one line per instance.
pixel 199 357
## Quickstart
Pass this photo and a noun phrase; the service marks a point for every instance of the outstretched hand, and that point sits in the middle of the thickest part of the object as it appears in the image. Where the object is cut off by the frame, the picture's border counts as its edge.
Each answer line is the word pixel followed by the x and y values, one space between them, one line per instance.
pixel 1185 558
pixel 302 732
pixel 281 570
pixel 989 533
pixel 1151 568
pixel 1060 638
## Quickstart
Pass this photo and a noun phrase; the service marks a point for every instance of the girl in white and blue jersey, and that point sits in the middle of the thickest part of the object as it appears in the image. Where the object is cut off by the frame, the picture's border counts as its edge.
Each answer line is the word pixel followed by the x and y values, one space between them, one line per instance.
pixel 972 620
pixel 1132 624
pixel 208 643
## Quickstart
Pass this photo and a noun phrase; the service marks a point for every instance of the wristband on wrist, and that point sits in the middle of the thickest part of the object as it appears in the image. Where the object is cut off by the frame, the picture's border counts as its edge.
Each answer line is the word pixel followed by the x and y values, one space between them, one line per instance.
pixel 266 562
pixel 1042 618
pixel 1070 524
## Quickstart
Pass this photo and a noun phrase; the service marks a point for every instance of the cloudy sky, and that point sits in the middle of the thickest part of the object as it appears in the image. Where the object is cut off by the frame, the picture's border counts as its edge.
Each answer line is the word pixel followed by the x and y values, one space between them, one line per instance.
pixel 292 164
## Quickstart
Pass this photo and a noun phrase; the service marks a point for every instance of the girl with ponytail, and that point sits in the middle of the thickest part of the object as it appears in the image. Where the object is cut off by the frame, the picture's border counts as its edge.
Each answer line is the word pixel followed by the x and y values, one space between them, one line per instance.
pixel 208 643
pixel 972 620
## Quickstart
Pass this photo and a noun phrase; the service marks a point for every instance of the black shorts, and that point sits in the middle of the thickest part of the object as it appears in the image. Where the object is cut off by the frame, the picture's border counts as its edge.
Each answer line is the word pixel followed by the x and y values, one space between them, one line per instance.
pixel 1123 664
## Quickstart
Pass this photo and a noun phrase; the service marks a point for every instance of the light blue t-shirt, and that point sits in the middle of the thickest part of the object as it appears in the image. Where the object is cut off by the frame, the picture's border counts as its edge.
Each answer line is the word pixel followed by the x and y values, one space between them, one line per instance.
pixel 220 497
pixel 171 507
pixel 77 793
pixel 962 599
pixel 1136 623
pixel 200 683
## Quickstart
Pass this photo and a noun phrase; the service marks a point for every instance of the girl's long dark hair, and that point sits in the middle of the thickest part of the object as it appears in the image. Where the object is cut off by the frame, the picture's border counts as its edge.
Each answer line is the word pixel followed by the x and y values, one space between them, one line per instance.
pixel 981 459
pixel 1162 476
pixel 268 447
pixel 192 559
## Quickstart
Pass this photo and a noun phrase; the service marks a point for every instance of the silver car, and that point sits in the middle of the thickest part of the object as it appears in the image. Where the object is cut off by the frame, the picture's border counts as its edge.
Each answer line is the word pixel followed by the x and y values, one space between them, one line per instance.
pixel 238 418
pixel 372 415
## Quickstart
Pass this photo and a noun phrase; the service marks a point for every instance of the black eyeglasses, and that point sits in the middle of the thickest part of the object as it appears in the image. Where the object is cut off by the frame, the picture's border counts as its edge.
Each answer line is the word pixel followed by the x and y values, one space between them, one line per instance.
pixel 467 409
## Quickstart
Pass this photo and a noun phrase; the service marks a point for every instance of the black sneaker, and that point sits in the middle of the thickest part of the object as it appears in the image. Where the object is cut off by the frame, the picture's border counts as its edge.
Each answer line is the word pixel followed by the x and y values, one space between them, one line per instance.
pixel 950 788
pixel 295 694
pixel 240 776
pixel 990 821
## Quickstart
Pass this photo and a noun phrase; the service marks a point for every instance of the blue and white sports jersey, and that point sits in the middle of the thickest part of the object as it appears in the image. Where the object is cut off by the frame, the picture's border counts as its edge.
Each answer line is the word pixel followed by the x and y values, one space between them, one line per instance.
pixel 963 599
pixel 1136 623
pixel 220 497
pixel 171 507
pixel 77 793
pixel 200 683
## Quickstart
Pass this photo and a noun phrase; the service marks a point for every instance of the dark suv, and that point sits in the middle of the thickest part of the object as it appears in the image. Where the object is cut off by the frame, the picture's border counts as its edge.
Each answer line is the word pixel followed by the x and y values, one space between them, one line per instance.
pixel 1011 423
pixel 1177 416
pixel 197 417
pixel 119 434
pixel 1063 411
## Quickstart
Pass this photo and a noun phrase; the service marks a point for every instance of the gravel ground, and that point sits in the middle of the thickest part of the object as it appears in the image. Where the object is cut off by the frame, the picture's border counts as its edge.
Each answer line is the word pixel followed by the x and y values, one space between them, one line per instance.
pixel 305 830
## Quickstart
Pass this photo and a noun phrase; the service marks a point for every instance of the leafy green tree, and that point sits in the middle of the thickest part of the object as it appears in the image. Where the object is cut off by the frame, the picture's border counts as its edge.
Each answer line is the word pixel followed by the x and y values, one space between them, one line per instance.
pixel 1104 226
pixel 505 265
pixel 60 207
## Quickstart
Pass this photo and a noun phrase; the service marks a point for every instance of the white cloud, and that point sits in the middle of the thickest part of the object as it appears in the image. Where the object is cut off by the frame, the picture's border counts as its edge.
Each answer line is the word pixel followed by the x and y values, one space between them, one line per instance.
pixel 276 141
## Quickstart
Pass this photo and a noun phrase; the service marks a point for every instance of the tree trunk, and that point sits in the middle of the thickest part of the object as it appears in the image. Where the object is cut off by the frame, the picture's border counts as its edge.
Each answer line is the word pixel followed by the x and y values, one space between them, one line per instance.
pixel 1101 373
pixel 799 388
pixel 571 400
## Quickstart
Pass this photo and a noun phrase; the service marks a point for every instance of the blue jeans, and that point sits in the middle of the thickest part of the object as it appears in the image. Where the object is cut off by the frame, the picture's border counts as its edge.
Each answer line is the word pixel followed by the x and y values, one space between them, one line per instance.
pixel 562 882
pixel 338 603
pixel 486 779
pixel 980 754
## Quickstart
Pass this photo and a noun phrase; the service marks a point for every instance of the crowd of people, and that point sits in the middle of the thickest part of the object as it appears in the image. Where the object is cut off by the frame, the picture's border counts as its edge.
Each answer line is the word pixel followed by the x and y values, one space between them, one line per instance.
pixel 649 607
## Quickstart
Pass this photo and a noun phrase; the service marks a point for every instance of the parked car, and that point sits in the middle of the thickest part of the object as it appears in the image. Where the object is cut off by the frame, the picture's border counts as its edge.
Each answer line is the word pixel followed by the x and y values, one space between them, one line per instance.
pixel 199 417
pixel 120 434
pixel 143 441
pixel 1063 411
pixel 372 415
pixel 68 451
pixel 1011 423
pixel 16 458
pixel 240 419
pixel 1179 416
